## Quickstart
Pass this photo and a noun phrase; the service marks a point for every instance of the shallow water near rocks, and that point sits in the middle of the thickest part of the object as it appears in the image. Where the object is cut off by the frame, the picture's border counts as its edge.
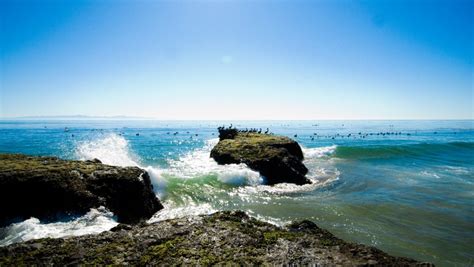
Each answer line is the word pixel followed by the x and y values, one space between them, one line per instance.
pixel 408 192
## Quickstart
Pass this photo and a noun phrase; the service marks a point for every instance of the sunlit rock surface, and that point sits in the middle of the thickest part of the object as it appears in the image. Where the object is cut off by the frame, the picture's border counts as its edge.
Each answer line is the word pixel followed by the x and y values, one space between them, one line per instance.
pixel 221 238
pixel 49 188
pixel 277 158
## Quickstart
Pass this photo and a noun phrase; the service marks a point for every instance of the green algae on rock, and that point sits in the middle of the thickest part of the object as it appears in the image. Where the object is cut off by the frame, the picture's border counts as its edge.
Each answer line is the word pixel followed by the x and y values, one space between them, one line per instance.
pixel 221 238
pixel 49 188
pixel 277 158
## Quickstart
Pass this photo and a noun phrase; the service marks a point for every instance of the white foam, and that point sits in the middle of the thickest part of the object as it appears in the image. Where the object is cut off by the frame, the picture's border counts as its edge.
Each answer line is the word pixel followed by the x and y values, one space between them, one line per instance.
pixel 178 212
pixel 318 152
pixel 430 174
pixel 112 149
pixel 286 188
pixel 198 163
pixel 93 222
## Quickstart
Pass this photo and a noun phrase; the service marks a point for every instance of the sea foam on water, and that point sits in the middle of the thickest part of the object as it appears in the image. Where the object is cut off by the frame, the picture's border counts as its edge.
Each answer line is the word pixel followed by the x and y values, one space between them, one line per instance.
pixel 93 222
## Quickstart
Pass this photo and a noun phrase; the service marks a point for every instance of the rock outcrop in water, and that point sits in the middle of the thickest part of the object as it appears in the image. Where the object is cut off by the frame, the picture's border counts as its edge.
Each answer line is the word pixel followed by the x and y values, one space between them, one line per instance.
pixel 219 239
pixel 277 158
pixel 49 188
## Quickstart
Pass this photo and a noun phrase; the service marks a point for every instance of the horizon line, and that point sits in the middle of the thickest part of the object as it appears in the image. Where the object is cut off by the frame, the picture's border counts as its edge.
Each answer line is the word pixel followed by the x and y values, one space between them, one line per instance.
pixel 119 117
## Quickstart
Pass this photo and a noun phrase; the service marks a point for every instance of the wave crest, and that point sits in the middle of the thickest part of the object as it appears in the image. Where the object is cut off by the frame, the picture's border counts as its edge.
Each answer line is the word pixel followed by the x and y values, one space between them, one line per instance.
pixel 111 149
pixel 407 150
pixel 318 152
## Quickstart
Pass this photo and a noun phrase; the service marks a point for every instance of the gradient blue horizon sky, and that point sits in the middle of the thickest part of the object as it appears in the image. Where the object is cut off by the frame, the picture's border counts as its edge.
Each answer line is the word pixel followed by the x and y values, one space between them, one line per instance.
pixel 238 59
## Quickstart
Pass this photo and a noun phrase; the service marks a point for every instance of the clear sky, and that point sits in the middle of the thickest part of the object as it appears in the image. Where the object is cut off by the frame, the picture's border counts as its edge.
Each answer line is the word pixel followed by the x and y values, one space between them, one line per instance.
pixel 238 59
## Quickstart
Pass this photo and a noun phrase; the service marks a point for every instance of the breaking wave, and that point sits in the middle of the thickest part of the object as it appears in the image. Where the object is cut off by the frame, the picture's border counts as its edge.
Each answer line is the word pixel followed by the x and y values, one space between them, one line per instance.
pixel 198 163
pixel 112 150
pixel 93 222
pixel 318 152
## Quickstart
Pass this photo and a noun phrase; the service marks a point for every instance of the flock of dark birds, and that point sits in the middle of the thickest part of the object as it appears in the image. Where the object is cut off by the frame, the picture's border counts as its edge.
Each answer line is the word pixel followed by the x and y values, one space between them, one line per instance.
pixel 355 136
pixel 247 130
pixel 360 135
pixel 315 135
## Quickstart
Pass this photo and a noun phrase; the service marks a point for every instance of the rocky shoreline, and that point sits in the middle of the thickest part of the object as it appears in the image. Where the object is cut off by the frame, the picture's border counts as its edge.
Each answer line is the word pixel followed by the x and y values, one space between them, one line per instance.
pixel 49 188
pixel 221 238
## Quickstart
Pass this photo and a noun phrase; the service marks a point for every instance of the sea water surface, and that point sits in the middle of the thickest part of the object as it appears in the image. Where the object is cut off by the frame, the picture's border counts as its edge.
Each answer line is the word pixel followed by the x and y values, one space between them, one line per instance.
pixel 406 187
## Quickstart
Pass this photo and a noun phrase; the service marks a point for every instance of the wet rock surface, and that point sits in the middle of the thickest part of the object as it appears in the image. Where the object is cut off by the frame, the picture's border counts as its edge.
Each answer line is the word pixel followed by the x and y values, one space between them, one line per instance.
pixel 220 238
pixel 277 158
pixel 49 188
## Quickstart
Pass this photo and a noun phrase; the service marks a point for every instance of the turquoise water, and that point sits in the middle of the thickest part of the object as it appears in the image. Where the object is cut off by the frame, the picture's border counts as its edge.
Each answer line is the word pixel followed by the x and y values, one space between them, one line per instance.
pixel 406 187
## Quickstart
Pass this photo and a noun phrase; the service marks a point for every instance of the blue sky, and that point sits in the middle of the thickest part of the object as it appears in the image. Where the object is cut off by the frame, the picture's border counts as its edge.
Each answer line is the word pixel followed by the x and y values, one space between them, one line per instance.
pixel 238 59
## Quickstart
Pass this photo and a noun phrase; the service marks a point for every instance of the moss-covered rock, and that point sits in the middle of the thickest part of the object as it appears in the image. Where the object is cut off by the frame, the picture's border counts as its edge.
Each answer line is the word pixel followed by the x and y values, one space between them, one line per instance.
pixel 49 188
pixel 222 238
pixel 277 158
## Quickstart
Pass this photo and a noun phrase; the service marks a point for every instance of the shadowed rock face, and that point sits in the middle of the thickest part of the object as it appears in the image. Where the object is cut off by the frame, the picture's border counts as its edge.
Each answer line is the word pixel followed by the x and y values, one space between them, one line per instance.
pixel 49 188
pixel 219 239
pixel 277 158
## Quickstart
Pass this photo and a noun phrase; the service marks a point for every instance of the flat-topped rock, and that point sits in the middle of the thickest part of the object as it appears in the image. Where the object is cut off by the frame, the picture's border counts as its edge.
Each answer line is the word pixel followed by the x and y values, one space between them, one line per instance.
pixel 277 158
pixel 50 188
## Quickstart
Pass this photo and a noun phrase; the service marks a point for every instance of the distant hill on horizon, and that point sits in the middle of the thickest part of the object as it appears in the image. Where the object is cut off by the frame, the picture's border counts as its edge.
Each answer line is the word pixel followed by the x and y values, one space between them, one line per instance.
pixel 73 117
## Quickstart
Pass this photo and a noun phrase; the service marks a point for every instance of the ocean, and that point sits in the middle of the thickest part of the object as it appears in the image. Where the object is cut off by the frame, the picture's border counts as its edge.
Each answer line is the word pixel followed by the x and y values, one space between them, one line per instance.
pixel 406 187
